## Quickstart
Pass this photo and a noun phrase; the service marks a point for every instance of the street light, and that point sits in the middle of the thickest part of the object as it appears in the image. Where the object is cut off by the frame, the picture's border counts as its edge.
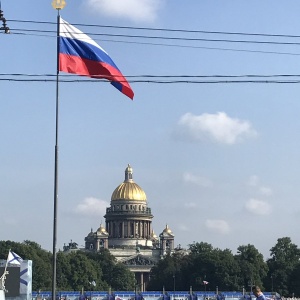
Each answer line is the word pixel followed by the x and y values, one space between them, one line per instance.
pixel 135 289
pixel 272 282
pixel 92 285
pixel 174 282
pixel 58 5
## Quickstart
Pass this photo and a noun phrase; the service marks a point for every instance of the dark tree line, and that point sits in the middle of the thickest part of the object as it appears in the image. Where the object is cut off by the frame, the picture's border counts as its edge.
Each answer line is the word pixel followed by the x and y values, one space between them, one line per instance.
pixel 75 270
pixel 221 268
pixel 230 272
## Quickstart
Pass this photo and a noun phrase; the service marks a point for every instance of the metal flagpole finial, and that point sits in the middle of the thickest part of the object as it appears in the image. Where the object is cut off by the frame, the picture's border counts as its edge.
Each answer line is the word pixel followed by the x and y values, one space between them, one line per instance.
pixel 58 4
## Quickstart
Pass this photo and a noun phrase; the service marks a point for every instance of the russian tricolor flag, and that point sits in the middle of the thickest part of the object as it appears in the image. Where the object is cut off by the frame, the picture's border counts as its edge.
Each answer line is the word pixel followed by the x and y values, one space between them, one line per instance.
pixel 79 54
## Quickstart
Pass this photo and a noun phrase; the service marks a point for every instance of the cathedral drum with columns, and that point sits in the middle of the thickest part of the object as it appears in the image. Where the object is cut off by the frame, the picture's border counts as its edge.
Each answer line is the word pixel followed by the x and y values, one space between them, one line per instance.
pixel 128 233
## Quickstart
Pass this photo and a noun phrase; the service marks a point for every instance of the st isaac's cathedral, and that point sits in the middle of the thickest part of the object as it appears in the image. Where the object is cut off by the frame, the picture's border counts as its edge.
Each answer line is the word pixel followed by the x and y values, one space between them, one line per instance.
pixel 128 232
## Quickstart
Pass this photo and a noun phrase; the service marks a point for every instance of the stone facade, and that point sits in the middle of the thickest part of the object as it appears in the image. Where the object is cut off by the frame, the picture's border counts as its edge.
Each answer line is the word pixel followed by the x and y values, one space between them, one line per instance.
pixel 128 232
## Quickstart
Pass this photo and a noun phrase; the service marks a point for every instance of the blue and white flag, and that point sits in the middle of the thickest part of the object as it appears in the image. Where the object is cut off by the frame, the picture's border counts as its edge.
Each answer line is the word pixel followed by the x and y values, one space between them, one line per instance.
pixel 13 258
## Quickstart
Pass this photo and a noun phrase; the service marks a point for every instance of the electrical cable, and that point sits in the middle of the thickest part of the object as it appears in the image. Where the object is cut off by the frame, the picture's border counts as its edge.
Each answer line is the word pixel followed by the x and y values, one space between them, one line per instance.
pixel 169 38
pixel 158 81
pixel 173 45
pixel 165 29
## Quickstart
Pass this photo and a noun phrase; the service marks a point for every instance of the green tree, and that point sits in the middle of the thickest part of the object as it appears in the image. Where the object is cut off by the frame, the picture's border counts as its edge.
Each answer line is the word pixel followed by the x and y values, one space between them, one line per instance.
pixel 253 268
pixel 162 274
pixel 294 286
pixel 214 265
pixel 227 271
pixel 75 270
pixel 219 267
pixel 116 275
pixel 123 279
pixel 284 259
pixel 41 267
pixel 83 271
pixel 201 265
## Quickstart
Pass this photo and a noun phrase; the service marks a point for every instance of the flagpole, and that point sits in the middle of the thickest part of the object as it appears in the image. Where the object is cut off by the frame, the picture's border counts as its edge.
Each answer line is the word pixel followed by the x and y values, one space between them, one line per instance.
pixel 58 5
pixel 6 264
pixel 3 276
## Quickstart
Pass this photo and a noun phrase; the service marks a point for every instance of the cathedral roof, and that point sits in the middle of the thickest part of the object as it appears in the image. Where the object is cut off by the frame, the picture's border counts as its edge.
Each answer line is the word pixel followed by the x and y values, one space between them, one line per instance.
pixel 167 232
pixel 101 230
pixel 128 190
pixel 153 235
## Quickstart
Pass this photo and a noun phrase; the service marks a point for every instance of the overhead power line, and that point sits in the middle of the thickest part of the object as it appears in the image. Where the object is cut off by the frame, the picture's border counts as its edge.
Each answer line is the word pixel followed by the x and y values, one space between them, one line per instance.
pixel 162 76
pixel 164 29
pixel 161 82
pixel 162 79
pixel 185 41
pixel 169 38
pixel 173 45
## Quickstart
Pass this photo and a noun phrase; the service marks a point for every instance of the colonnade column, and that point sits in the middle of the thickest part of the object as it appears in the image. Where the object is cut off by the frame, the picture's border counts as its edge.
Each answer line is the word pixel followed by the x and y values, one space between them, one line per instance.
pixel 144 229
pixel 134 229
pixel 107 226
pixel 142 282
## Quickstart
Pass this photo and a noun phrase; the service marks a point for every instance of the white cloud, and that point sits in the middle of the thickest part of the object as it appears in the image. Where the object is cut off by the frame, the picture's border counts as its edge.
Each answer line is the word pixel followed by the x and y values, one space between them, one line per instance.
pixel 253 180
pixel 198 180
pixel 10 221
pixel 266 191
pixel 218 127
pixel 190 204
pixel 183 227
pixel 258 207
pixel 134 10
pixel 218 226
pixel 91 207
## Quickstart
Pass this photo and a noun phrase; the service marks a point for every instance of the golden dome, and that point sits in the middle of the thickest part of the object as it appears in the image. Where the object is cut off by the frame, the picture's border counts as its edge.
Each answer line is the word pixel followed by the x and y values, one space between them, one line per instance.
pixel 102 230
pixel 167 230
pixel 153 235
pixel 128 190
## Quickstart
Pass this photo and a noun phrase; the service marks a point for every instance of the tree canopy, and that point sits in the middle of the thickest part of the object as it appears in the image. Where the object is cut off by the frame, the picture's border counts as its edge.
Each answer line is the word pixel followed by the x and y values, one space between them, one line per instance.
pixel 179 270
pixel 75 270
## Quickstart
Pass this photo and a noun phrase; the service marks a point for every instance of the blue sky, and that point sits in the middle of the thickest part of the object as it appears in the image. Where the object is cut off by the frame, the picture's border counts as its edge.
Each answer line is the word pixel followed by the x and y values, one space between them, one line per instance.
pixel 219 162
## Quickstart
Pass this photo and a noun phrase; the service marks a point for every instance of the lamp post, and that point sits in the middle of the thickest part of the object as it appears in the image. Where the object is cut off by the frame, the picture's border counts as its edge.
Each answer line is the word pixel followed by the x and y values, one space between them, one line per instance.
pixel 92 285
pixel 174 282
pixel 58 5
pixel 250 284
pixel 272 282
